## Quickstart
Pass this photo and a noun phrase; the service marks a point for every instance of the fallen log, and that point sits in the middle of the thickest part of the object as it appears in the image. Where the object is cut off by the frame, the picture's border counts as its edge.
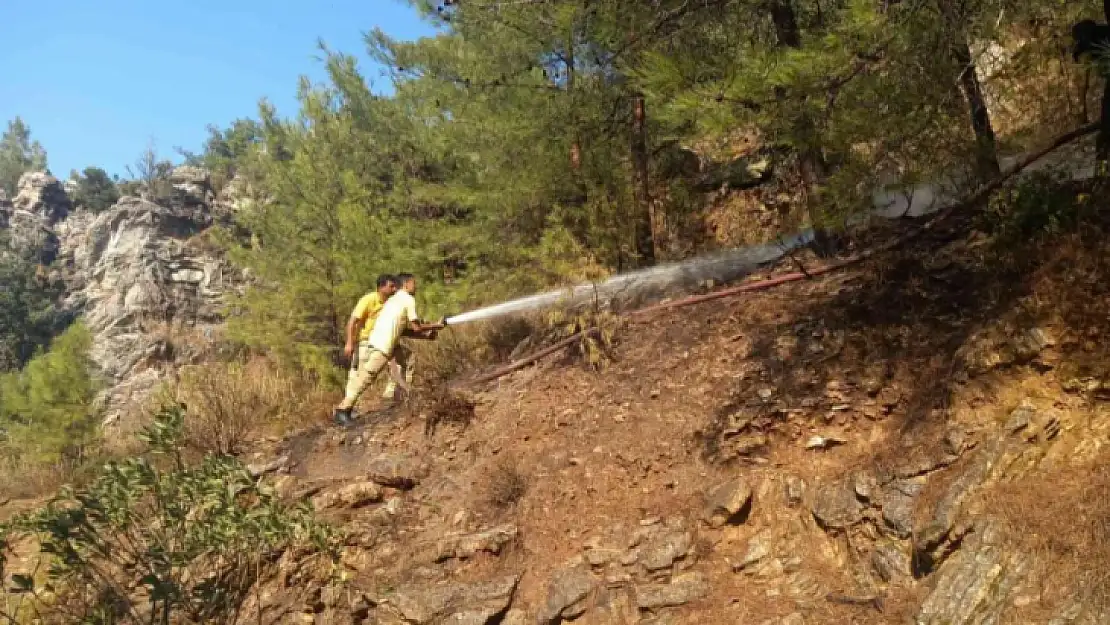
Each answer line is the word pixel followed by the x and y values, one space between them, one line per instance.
pixel 533 357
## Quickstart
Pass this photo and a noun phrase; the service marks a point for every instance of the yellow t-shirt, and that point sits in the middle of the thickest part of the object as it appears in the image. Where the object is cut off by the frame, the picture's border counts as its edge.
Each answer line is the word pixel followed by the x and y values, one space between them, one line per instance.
pixel 367 310
pixel 394 317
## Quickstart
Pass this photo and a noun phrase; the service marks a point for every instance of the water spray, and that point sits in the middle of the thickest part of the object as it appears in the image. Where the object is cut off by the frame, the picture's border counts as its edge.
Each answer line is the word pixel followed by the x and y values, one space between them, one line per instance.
pixel 645 284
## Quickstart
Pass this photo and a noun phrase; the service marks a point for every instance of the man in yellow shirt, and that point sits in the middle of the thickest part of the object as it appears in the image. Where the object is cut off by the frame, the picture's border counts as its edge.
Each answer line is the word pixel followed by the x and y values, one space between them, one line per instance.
pixel 361 322
pixel 396 317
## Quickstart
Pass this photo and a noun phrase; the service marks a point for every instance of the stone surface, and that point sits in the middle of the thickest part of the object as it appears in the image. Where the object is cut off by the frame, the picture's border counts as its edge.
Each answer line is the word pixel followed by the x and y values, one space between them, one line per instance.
pixel 450 602
pixel 566 594
pixel 991 460
pixel 681 590
pixel 393 471
pixel 728 503
pixel 349 496
pixel 29 217
pixel 662 549
pixel 889 562
pixel 836 505
pixel 465 546
pixel 42 195
pixel 974 586
pixel 897 501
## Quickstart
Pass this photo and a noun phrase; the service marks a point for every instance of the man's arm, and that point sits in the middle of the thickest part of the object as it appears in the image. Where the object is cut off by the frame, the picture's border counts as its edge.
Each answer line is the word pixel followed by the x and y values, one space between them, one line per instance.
pixel 418 327
pixel 354 325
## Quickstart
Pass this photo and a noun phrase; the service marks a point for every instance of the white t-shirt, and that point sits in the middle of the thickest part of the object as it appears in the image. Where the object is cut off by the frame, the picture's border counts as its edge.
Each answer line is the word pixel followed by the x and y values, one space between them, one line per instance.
pixel 395 316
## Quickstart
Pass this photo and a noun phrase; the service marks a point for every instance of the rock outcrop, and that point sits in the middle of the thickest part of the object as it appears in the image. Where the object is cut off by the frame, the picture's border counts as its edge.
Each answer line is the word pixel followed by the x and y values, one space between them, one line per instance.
pixel 30 216
pixel 139 274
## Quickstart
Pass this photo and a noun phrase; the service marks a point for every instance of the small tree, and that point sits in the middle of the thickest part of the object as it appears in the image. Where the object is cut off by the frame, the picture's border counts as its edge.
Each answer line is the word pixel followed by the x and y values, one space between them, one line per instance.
pixel 46 410
pixel 18 154
pixel 96 190
pixel 152 173
pixel 28 316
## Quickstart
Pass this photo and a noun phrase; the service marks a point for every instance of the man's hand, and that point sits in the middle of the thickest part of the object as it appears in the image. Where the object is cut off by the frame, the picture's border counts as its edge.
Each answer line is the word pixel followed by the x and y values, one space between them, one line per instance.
pixel 349 350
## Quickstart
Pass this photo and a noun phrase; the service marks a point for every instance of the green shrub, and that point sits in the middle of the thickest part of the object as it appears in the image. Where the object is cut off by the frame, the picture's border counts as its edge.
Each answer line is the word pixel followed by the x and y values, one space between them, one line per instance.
pixel 152 540
pixel 96 190
pixel 1044 202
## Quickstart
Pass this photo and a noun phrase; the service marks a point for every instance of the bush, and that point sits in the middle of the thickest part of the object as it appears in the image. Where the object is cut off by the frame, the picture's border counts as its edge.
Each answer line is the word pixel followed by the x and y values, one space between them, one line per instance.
pixel 152 540
pixel 230 402
pixel 96 191
pixel 506 484
pixel 1043 202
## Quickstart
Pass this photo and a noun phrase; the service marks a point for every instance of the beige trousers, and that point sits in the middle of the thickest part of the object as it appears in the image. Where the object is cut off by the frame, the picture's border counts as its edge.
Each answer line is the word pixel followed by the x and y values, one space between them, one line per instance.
pixel 400 369
pixel 365 367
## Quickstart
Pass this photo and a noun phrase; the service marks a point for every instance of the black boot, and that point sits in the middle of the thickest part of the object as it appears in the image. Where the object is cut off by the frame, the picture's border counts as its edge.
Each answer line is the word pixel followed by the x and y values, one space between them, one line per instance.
pixel 343 416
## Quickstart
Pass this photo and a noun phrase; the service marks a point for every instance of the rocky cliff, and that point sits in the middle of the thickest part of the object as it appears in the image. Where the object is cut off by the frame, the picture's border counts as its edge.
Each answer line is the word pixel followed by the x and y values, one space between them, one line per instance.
pixel 139 274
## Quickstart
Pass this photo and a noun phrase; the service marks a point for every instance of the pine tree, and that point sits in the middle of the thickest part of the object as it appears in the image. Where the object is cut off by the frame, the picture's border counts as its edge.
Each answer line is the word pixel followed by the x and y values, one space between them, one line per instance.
pixel 18 155
pixel 96 191
pixel 46 409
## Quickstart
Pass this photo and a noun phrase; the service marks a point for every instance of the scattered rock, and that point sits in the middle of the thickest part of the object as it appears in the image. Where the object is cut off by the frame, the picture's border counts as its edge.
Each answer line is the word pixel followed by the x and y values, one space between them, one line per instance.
pixel 264 468
pixel 824 442
pixel 795 490
pixel 350 496
pixel 661 551
pixel 728 503
pixel 566 595
pixel 1004 344
pixel 465 546
pixel 759 547
pixel 393 471
pixel 452 602
pixel 836 506
pixel 681 590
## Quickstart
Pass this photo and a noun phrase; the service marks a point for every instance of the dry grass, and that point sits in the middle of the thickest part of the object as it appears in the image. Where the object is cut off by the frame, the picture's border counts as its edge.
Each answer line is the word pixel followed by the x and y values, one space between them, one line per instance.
pixel 461 349
pixel 229 403
pixel 1062 519
pixel 506 484
pixel 441 405
pixel 22 479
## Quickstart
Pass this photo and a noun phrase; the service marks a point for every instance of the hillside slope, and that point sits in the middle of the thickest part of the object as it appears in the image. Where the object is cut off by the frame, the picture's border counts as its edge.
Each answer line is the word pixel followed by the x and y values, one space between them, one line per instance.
pixel 921 439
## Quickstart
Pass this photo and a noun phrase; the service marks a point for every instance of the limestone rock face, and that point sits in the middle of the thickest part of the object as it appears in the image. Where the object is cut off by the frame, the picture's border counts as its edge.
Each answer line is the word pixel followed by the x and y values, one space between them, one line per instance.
pixel 29 217
pixel 138 274
pixel 42 195
pixel 135 271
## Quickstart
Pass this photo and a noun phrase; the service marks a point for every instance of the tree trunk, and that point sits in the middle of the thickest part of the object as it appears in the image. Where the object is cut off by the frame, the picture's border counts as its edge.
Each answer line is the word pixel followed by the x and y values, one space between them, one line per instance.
pixel 810 159
pixel 645 222
pixel 986 151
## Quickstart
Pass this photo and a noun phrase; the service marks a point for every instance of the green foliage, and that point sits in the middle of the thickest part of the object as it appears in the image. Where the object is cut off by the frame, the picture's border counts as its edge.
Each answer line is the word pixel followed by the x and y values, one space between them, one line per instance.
pixel 1044 202
pixel 227 151
pixel 510 157
pixel 96 191
pixel 28 314
pixel 46 409
pixel 18 154
pixel 150 176
pixel 153 540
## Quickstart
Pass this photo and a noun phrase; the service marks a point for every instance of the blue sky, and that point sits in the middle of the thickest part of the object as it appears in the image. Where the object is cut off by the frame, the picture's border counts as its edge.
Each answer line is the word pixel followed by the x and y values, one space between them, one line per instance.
pixel 97 81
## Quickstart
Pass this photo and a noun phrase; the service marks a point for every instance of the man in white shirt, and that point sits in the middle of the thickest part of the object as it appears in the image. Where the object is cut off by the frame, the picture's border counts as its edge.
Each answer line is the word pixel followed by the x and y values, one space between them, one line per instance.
pixel 397 316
